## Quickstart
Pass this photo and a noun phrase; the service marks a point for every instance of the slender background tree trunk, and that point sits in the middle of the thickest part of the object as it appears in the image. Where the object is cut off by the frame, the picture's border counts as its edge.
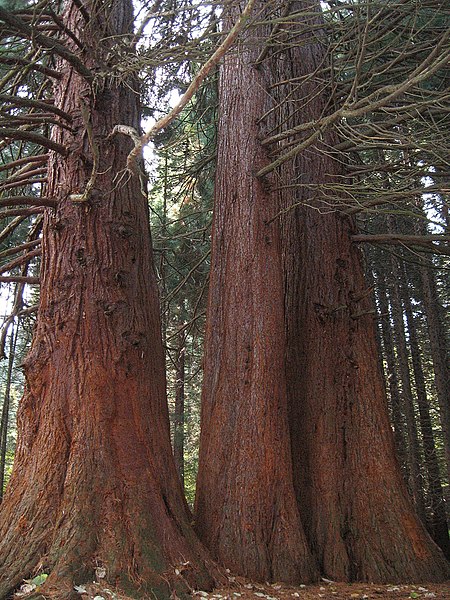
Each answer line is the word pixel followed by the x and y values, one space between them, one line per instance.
pixel 391 370
pixel 415 482
pixel 178 433
pixel 4 424
pixel 438 522
pixel 439 355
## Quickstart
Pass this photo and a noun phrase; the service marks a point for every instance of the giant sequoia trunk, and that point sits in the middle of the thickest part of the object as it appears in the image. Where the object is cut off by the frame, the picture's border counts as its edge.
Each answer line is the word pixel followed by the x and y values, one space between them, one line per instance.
pixel 354 504
pixel 246 511
pixel 94 482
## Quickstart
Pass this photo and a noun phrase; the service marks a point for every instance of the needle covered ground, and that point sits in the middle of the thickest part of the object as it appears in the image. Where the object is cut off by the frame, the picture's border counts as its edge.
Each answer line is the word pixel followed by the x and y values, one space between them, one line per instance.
pixel 242 589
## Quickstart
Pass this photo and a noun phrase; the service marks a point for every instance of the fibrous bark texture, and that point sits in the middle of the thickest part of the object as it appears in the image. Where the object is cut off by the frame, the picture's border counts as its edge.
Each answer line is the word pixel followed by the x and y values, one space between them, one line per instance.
pixel 246 511
pixel 94 482
pixel 354 505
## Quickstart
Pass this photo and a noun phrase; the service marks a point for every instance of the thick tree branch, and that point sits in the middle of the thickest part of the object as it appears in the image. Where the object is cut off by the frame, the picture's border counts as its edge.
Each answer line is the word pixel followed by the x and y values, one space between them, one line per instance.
pixel 426 241
pixel 27 201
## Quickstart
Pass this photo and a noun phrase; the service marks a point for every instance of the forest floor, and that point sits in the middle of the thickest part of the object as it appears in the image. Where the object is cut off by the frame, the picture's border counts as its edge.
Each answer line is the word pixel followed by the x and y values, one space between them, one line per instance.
pixel 330 591
pixel 241 589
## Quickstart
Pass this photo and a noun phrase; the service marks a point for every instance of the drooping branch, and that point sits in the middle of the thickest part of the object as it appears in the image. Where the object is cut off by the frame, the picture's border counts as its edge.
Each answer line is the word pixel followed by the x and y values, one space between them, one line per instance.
pixel 20 261
pixel 31 136
pixel 16 249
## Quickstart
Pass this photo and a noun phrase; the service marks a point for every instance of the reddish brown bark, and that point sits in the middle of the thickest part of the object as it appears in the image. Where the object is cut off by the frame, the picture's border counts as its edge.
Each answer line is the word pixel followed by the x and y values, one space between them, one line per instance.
pixel 246 511
pixel 354 504
pixel 94 482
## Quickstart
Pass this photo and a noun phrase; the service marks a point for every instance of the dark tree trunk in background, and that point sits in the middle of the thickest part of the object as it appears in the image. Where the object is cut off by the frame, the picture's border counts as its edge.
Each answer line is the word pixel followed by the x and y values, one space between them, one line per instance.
pixel 440 356
pixel 5 411
pixel 178 430
pixel 414 455
pixel 438 522
pixel 246 511
pixel 94 481
pixel 353 501
pixel 391 372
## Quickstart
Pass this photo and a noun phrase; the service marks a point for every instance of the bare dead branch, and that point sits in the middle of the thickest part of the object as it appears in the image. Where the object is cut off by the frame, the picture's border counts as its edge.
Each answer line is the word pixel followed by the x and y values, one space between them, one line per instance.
pixel 192 89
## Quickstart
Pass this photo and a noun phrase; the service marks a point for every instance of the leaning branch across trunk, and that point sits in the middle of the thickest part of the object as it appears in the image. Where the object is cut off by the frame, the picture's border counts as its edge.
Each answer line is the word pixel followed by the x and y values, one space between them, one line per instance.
pixel 425 241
